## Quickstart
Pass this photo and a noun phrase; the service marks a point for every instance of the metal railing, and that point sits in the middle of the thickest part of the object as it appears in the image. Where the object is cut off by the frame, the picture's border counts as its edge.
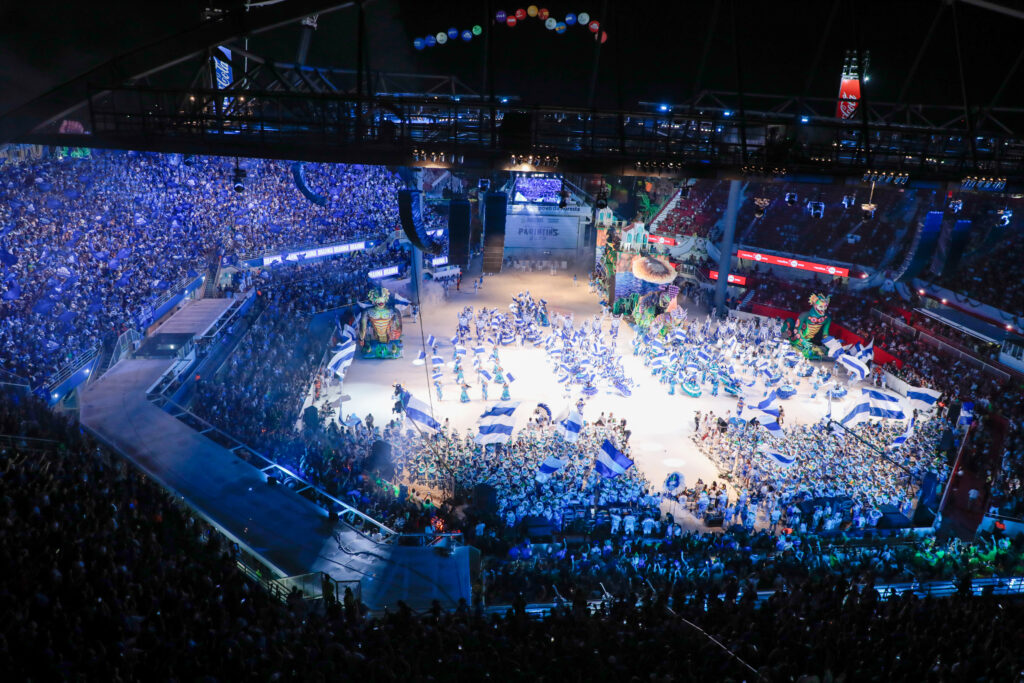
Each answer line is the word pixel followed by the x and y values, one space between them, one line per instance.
pixel 174 290
pixel 355 518
pixel 712 130
pixel 71 367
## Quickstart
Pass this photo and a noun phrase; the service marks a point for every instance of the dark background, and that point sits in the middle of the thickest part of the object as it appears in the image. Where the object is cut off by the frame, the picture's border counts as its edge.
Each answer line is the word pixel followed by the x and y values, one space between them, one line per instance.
pixel 653 51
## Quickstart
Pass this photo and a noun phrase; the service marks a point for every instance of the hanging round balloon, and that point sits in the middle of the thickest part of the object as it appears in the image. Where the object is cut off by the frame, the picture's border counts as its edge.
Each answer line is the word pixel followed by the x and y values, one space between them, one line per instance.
pixel 453 33
pixel 441 38
pixel 478 29
pixel 419 43
pixel 551 23
pixel 467 35
pixel 431 41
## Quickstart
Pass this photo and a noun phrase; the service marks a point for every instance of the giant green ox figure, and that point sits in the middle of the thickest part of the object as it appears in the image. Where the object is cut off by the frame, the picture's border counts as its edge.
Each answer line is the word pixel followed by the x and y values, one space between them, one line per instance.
pixel 805 333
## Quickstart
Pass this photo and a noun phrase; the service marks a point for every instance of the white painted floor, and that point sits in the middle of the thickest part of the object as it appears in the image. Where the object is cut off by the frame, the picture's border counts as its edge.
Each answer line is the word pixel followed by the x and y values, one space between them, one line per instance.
pixel 661 424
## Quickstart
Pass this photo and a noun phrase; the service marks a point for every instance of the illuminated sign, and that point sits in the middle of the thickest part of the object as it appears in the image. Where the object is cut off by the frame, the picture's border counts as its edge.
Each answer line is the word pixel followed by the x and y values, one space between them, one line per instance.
pixel 439 261
pixel 793 263
pixel 658 239
pixel 732 279
pixel 849 96
pixel 318 252
pixel 383 272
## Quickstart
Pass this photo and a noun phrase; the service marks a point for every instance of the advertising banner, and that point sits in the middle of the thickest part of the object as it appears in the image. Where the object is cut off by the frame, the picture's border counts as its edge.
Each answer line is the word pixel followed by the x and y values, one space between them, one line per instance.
pixel 793 263
pixel 849 96
pixel 733 279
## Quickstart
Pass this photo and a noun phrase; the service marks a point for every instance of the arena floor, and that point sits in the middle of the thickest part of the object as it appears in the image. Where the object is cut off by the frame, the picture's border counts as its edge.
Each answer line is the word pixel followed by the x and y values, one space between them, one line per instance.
pixel 661 424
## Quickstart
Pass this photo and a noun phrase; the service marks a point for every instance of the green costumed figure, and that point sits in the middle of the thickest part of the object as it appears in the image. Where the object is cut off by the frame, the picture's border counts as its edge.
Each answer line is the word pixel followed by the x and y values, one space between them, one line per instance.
pixel 805 334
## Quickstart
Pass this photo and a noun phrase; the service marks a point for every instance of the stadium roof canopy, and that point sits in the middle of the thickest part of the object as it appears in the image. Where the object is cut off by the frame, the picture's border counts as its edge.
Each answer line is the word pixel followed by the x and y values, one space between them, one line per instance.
pixel 960 60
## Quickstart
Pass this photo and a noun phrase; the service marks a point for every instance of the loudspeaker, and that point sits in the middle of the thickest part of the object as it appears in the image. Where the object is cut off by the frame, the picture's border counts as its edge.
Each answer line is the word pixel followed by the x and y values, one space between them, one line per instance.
pixel 458 232
pixel 495 208
pixel 380 459
pixel 410 212
pixel 927 494
pixel 299 176
pixel 485 499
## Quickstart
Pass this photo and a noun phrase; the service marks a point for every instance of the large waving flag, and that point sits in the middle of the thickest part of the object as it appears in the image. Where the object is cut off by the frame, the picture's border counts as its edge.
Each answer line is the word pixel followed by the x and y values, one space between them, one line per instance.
pixel 867 353
pixel 417 411
pixel 767 412
pixel 431 341
pixel 874 403
pixel 834 346
pixel 420 359
pixel 923 399
pixel 854 365
pixel 611 462
pixel 569 428
pixel 781 458
pixel 549 467
pixel 497 422
pixel 346 352
pixel 902 438
pixel 966 413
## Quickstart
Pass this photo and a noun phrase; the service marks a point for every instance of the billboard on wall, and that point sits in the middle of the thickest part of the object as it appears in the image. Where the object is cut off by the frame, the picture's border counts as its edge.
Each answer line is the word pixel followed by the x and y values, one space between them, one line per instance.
pixel 770 259
pixel 849 96
pixel 732 279
pixel 534 231
pixel 659 239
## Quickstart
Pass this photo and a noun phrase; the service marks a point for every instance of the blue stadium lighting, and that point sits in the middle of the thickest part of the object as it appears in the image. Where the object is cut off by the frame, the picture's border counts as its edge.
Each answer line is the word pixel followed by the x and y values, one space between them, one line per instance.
pixel 663 107
pixel 804 119
pixel 726 113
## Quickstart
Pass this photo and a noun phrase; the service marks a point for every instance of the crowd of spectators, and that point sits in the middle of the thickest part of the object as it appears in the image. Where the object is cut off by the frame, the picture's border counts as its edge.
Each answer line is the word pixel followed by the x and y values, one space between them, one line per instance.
pixel 109 577
pixel 88 244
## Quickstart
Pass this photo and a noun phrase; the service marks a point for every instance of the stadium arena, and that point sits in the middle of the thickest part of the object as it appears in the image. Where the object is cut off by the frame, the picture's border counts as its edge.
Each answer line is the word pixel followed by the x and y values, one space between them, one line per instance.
pixel 453 341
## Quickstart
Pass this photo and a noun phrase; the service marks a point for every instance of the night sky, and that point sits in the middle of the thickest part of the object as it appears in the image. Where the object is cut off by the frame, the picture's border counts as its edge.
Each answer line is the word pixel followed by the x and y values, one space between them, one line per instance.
pixel 653 52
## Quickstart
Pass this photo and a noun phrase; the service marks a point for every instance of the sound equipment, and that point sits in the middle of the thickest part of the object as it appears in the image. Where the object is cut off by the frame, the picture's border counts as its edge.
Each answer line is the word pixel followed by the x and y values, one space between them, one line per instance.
pixel 494 212
pixel 485 499
pixel 714 521
pixel 380 460
pixel 410 213
pixel 299 176
pixel 458 232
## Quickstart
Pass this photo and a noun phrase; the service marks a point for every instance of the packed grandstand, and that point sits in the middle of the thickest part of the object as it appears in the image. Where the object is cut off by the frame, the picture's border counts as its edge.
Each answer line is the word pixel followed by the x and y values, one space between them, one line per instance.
pixel 124 578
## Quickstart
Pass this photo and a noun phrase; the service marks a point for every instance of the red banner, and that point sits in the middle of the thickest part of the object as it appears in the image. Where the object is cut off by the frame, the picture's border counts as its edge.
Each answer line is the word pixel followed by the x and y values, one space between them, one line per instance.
pixel 793 263
pixel 658 239
pixel 849 96
pixel 733 279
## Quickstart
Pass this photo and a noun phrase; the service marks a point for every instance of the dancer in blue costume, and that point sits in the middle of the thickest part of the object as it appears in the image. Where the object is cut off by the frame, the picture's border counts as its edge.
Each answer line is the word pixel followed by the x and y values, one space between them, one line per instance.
pixel 464 395
pixel 505 396
pixel 437 386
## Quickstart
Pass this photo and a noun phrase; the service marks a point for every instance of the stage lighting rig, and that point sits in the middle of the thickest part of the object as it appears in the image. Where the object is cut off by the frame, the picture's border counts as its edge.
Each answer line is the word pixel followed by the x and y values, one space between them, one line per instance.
pixel 760 206
pixel 868 210
pixel 956 205
pixel 792 198
pixel 816 209
pixel 1005 216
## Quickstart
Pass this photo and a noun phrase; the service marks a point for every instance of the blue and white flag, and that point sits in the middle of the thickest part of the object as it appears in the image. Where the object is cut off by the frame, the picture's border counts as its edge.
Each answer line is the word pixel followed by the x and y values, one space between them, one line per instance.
pixel 867 354
pixel 569 428
pixel 874 403
pixel 550 465
pixel 497 423
pixel 781 458
pixel 460 350
pixel 902 438
pixel 834 346
pixel 966 413
pixel 767 412
pixel 421 358
pixel 486 375
pixel 436 360
pixel 437 374
pixel 343 358
pixel 417 411
pixel 431 342
pixel 923 399
pixel 611 462
pixel 509 377
pixel 854 365
pixel 478 350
